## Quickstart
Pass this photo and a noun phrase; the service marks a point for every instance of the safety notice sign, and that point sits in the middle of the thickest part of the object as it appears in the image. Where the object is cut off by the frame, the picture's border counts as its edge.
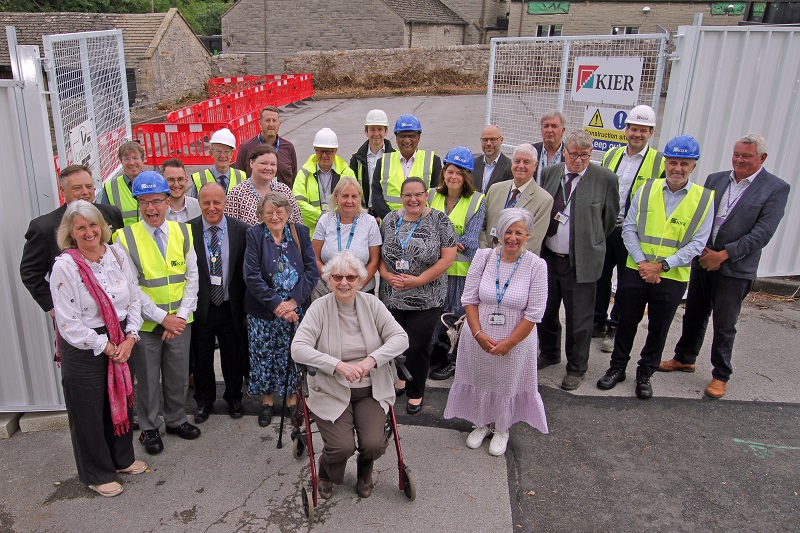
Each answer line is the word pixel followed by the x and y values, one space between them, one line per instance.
pixel 606 126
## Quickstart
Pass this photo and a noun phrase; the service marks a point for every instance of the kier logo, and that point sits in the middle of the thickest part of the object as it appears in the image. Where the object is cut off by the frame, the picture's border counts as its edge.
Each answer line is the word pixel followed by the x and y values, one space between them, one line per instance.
pixel 606 80
pixel 585 78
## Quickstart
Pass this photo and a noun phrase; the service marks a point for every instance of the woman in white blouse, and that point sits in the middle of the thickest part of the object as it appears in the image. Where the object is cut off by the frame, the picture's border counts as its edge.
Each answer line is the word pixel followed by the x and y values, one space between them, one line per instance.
pixel 97 313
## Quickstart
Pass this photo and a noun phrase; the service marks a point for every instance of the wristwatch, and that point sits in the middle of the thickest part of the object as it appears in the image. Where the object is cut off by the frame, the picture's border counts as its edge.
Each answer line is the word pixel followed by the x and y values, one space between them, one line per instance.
pixel 665 265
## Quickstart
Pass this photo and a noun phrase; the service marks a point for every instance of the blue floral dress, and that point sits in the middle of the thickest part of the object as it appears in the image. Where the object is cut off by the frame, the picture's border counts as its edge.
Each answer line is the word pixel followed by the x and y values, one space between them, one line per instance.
pixel 269 340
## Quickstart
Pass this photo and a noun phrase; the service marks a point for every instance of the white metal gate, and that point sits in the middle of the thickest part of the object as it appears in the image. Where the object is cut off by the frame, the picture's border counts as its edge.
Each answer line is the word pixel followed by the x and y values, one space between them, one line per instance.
pixel 529 76
pixel 89 99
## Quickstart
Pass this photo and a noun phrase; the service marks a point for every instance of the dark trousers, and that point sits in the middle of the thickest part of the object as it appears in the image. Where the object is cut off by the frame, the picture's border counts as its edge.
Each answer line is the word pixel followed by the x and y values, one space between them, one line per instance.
pixel 712 292
pixel 419 326
pixel 578 301
pixel 662 300
pixel 98 452
pixel 616 257
pixel 364 416
pixel 218 323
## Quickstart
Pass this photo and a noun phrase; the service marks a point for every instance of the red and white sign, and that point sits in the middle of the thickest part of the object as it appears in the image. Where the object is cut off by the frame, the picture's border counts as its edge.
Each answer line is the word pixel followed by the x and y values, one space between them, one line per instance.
pixel 607 80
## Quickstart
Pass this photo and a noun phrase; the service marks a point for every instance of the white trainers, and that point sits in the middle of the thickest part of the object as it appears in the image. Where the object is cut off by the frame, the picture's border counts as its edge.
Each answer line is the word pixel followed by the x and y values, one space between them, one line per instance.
pixel 475 438
pixel 498 444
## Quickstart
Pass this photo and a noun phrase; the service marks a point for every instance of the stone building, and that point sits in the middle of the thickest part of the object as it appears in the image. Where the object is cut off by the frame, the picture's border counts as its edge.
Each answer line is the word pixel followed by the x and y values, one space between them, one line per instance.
pixel 164 59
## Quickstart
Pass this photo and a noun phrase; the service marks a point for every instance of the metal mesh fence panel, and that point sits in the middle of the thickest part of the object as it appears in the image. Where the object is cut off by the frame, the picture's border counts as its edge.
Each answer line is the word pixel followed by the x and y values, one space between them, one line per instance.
pixel 530 76
pixel 89 99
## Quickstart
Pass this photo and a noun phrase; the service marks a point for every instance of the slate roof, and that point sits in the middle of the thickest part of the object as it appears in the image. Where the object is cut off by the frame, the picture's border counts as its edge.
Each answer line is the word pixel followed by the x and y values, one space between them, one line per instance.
pixel 425 11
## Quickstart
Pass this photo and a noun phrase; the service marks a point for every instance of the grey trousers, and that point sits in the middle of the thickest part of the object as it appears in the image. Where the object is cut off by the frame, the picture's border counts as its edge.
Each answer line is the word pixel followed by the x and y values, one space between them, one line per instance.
pixel 166 362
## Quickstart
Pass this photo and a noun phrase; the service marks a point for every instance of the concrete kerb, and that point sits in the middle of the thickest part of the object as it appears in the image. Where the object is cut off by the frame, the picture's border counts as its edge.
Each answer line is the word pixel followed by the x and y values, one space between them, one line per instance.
pixel 779 286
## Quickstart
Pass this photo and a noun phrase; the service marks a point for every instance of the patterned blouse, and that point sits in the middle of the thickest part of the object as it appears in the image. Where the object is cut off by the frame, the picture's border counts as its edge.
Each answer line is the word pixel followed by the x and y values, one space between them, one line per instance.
pixel 424 248
pixel 242 202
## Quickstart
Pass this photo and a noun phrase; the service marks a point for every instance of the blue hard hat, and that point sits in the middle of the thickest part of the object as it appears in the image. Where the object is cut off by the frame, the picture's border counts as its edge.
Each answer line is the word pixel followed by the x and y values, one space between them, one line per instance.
pixel 149 182
pixel 407 123
pixel 682 147
pixel 461 157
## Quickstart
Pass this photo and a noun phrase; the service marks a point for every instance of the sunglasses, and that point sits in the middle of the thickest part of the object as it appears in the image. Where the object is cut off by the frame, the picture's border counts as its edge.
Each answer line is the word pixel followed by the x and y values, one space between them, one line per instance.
pixel 350 279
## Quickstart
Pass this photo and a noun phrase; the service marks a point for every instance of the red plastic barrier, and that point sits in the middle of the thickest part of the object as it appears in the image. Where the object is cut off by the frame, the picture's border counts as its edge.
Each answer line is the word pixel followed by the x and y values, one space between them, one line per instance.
pixel 246 126
pixel 222 86
pixel 187 142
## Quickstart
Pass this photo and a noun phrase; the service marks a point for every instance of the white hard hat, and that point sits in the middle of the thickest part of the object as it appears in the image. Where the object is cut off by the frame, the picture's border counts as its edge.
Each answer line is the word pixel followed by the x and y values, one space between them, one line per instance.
pixel 224 136
pixel 376 117
pixel 326 138
pixel 643 115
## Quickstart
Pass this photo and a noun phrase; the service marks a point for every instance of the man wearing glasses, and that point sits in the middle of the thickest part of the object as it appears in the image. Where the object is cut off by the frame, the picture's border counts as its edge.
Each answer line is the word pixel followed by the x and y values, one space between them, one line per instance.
pixel 223 144
pixel 182 208
pixel 551 150
pixel 117 191
pixel 585 209
pixel 494 166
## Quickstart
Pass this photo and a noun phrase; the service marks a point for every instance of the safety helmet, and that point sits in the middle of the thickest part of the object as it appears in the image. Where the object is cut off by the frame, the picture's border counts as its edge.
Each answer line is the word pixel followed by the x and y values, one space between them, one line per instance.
pixel 224 136
pixel 376 117
pixel 461 157
pixel 149 182
pixel 407 123
pixel 682 147
pixel 643 115
pixel 326 138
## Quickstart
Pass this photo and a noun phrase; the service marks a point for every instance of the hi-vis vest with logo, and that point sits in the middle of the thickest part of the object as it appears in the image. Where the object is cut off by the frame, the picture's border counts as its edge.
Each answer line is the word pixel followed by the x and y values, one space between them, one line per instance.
pixel 464 210
pixel 660 237
pixel 652 166
pixel 200 179
pixel 162 279
pixel 120 196
pixel 306 188
pixel 392 176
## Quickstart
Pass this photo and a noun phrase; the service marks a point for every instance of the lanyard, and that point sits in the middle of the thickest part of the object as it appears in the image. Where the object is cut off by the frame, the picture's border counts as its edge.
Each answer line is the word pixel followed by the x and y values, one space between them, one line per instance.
pixel 215 254
pixel 277 143
pixel 339 231
pixel 404 243
pixel 735 199
pixel 567 200
pixel 502 293
pixel 510 191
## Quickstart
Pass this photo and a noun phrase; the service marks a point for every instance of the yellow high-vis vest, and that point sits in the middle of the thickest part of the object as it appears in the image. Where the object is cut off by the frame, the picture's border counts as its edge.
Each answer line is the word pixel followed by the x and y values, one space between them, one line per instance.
pixel 201 178
pixel 652 166
pixel 392 176
pixel 463 211
pixel 306 188
pixel 120 196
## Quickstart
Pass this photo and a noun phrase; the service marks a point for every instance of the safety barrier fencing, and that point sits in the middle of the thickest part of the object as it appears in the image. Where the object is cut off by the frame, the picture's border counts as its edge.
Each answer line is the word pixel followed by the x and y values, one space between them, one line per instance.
pixel 222 86
pixel 187 142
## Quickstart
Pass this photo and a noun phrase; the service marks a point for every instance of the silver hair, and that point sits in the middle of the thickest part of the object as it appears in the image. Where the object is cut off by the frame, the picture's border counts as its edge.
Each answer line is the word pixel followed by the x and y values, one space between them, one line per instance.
pixel 342 262
pixel 553 114
pixel 510 216
pixel 581 139
pixel 87 211
pixel 525 149
pixel 275 199
pixel 754 138
pixel 344 182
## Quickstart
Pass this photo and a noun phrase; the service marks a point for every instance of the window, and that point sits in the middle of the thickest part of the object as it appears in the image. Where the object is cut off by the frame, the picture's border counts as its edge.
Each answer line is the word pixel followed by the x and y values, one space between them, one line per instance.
pixel 625 30
pixel 548 30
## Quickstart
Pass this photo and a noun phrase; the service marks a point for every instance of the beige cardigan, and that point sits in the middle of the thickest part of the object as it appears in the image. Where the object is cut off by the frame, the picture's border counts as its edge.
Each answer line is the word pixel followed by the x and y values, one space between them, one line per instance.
pixel 317 343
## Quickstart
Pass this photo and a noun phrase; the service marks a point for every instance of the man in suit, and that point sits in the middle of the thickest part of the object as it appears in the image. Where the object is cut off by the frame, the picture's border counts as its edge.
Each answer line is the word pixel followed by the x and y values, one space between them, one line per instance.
pixel 492 166
pixel 750 204
pixel 219 242
pixel 522 192
pixel 551 150
pixel 41 249
pixel 585 209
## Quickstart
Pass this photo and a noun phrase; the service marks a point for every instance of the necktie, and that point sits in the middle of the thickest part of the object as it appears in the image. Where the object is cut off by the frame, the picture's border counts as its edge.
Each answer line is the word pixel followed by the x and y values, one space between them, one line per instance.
pixel 217 291
pixel 223 180
pixel 513 200
pixel 159 241
pixel 559 205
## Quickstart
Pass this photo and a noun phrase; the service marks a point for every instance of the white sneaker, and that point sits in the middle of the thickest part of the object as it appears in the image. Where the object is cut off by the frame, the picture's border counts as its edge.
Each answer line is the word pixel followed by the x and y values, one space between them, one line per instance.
pixel 475 438
pixel 499 442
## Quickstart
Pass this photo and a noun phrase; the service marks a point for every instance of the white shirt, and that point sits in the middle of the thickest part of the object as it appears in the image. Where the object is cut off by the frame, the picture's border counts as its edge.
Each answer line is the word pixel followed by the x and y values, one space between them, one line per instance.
pixel 626 171
pixel 191 209
pixel 372 160
pixel 407 164
pixel 324 180
pixel 559 243
pixel 730 199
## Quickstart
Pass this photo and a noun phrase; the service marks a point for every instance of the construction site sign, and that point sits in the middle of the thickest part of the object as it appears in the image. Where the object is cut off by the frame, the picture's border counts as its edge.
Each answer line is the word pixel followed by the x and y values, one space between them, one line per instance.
pixel 606 126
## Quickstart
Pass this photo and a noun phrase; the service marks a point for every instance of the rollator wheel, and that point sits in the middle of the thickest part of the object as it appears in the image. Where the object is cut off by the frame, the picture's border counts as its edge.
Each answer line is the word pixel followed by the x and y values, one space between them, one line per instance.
pixel 298 447
pixel 409 487
pixel 308 503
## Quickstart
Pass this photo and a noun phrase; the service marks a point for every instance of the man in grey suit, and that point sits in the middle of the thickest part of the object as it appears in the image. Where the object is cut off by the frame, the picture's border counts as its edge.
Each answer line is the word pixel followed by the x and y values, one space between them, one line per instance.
pixel 551 150
pixel 492 166
pixel 520 192
pixel 584 213
pixel 749 204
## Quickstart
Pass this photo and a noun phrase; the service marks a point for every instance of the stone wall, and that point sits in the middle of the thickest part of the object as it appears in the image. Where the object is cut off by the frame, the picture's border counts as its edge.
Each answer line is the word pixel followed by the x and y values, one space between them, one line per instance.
pixel 434 35
pixel 472 11
pixel 394 68
pixel 228 65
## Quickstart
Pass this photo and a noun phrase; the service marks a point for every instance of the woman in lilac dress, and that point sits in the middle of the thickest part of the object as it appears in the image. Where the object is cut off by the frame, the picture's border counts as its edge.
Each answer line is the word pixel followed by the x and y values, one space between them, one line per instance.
pixel 504 297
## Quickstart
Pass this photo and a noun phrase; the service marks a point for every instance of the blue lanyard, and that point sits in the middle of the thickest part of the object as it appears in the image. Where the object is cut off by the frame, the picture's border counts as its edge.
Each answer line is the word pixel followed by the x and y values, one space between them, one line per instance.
pixel 277 143
pixel 404 243
pixel 339 231
pixel 501 294
pixel 215 254
pixel 510 191
pixel 571 193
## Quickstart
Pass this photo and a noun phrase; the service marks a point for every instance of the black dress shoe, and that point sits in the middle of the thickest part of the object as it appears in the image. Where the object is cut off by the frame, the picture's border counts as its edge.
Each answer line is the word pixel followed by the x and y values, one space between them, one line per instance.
pixel 612 377
pixel 644 391
pixel 236 410
pixel 265 416
pixel 151 441
pixel 185 431
pixel 599 330
pixel 544 363
pixel 202 413
pixel 399 392
pixel 414 409
pixel 446 372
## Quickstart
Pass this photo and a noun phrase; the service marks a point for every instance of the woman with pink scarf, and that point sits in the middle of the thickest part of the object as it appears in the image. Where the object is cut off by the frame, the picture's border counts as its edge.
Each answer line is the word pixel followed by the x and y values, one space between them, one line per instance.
pixel 97 314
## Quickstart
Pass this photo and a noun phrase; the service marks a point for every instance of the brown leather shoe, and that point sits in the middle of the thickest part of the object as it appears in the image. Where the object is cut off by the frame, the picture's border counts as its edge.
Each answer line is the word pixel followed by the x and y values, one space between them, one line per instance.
pixel 364 488
pixel 716 389
pixel 673 365
pixel 325 489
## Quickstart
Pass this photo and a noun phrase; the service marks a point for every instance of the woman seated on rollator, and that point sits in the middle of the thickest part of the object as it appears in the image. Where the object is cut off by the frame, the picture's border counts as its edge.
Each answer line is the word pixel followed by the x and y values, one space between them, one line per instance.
pixel 351 338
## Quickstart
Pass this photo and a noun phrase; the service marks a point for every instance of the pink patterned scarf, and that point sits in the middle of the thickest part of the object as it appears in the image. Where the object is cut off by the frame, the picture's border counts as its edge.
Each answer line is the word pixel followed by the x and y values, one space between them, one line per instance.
pixel 120 386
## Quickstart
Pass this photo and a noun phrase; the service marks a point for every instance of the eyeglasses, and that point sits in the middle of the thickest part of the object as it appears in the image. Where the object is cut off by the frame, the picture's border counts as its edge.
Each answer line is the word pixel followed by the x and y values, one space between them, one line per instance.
pixel 176 180
pixel 486 140
pixel 154 203
pixel 350 279
pixel 272 214
pixel 410 135
pixel 327 151
pixel 576 155
pixel 218 151
pixel 410 195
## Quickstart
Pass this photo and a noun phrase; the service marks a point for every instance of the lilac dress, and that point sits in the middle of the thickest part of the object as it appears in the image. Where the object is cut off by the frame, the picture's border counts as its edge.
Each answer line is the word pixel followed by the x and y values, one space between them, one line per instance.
pixel 500 389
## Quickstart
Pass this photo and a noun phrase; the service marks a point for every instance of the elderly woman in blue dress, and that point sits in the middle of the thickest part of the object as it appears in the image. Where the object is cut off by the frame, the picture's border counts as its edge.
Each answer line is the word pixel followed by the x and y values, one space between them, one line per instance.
pixel 280 271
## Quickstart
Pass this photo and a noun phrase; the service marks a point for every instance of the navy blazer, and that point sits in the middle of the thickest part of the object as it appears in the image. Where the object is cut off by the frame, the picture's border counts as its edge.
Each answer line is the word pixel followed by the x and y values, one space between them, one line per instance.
pixel 260 261
pixel 750 224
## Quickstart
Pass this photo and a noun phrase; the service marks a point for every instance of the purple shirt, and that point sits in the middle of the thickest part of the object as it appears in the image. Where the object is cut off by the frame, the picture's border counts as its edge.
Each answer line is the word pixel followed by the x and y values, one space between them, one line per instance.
pixel 287 158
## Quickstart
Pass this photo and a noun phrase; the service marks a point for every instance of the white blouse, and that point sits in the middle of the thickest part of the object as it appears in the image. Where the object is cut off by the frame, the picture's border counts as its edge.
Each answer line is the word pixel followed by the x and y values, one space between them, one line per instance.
pixel 77 314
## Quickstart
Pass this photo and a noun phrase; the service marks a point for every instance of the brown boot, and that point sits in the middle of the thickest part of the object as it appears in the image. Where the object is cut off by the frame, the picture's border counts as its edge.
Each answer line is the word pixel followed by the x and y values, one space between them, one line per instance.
pixel 673 365
pixel 716 389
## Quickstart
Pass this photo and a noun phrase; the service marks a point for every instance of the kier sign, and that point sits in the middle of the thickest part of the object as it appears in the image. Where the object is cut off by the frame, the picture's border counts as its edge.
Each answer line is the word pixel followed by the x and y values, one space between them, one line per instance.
pixel 607 80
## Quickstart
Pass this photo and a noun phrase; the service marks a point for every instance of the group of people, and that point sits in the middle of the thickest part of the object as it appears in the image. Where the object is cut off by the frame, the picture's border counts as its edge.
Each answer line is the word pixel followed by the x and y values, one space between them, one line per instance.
pixel 346 266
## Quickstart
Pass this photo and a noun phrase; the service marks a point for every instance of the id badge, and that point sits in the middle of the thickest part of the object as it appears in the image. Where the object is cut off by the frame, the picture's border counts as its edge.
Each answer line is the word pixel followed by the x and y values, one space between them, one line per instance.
pixel 216 280
pixel 402 264
pixel 718 221
pixel 493 232
pixel 497 319
pixel 561 217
